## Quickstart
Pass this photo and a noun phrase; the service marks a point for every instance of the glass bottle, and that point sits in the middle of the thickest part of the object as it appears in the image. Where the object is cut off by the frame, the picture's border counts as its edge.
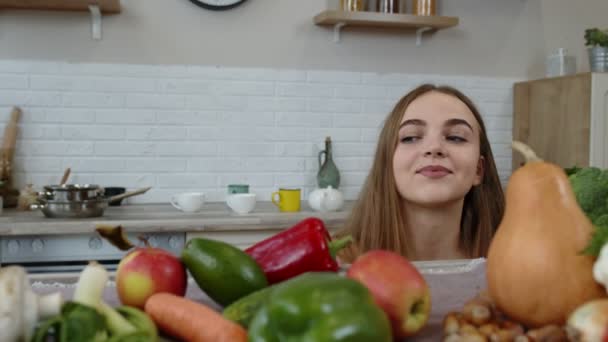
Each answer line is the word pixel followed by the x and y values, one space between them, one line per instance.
pixel 351 5
pixel 388 6
pixel 328 172
pixel 424 7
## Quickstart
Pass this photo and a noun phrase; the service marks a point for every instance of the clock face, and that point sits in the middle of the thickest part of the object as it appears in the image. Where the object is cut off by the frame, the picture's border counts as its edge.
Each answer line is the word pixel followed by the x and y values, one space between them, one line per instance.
pixel 217 4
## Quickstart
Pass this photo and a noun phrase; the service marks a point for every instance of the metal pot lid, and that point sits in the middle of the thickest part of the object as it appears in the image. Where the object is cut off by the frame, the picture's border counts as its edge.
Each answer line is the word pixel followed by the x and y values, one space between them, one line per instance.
pixel 72 187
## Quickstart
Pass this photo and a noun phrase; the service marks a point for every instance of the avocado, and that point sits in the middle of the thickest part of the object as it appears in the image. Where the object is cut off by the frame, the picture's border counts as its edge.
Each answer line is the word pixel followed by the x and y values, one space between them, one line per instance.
pixel 223 271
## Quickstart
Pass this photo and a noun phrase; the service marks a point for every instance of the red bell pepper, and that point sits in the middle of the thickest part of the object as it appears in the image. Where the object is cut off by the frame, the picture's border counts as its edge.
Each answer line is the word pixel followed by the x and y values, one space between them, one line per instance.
pixel 305 247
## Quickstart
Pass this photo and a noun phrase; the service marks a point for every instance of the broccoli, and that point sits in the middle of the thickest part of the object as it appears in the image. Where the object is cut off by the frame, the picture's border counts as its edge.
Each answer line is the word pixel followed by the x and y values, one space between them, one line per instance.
pixel 599 238
pixel 590 186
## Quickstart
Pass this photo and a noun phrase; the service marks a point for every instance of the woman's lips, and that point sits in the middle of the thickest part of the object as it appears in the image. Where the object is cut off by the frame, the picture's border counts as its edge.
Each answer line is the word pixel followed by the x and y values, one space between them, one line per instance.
pixel 434 171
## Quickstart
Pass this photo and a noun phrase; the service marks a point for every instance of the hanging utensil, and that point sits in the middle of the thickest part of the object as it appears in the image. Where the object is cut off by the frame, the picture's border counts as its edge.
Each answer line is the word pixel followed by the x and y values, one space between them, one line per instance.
pixel 10 135
pixel 66 174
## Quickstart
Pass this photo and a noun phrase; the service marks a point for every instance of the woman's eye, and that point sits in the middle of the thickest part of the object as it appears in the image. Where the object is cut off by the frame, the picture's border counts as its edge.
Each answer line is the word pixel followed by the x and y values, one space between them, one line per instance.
pixel 455 138
pixel 409 139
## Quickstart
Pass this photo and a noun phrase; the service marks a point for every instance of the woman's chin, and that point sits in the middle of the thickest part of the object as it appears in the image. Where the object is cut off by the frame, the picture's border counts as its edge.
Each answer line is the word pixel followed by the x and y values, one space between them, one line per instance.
pixel 435 201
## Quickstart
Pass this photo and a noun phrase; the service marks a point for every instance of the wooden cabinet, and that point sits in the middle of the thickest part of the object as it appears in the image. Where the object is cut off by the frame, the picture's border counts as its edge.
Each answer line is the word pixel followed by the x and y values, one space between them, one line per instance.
pixel 564 119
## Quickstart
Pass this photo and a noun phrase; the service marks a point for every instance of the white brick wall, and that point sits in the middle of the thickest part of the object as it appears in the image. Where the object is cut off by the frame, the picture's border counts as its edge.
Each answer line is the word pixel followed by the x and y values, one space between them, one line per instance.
pixel 179 128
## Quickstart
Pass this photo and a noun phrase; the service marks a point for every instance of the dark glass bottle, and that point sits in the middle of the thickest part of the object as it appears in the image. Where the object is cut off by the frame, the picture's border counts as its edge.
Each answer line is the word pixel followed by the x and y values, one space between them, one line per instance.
pixel 328 172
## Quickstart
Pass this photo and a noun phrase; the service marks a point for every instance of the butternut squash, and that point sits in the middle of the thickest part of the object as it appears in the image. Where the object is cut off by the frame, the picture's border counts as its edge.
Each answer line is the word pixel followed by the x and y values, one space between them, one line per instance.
pixel 535 270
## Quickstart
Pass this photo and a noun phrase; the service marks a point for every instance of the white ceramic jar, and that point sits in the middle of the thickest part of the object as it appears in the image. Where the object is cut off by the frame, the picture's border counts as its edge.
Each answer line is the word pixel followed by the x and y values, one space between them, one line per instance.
pixel 326 199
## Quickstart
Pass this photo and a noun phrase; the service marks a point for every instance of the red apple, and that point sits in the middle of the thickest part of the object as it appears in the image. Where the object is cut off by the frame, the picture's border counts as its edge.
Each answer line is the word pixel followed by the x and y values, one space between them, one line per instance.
pixel 590 321
pixel 397 287
pixel 146 271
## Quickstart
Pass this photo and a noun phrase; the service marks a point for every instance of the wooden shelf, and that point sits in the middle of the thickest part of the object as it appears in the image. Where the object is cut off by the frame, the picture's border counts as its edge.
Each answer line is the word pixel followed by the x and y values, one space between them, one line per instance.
pixel 95 7
pixel 105 6
pixel 421 24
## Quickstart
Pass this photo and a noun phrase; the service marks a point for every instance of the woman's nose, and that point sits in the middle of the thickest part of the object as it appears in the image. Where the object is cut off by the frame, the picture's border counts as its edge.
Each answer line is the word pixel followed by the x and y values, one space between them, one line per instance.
pixel 434 153
pixel 435 150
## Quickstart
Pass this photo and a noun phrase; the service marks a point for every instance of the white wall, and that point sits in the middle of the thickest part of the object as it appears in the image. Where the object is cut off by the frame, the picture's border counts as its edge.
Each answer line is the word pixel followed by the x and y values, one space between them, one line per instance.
pixel 495 38
pixel 179 128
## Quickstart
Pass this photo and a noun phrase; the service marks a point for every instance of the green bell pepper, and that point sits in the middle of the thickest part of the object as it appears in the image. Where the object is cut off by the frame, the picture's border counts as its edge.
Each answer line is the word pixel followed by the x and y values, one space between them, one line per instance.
pixel 320 307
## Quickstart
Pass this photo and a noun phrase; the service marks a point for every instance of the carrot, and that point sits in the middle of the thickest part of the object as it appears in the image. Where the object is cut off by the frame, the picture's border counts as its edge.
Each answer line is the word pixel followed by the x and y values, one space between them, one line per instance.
pixel 191 321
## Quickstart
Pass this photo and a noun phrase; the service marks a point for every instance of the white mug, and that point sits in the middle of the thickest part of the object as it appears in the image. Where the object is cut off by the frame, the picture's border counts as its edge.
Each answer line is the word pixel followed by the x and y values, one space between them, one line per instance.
pixel 241 203
pixel 189 202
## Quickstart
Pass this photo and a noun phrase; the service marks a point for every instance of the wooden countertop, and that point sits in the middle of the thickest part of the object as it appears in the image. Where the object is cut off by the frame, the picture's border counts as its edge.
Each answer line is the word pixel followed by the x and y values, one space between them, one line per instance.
pixel 164 218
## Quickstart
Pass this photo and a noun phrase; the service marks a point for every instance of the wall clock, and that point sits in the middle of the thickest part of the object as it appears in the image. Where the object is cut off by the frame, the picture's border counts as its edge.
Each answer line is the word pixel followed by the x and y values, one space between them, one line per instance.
pixel 217 5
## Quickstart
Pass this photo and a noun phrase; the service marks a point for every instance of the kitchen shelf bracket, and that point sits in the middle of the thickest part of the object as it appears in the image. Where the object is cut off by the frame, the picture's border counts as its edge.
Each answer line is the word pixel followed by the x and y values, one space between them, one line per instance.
pixel 95 21
pixel 419 33
pixel 337 28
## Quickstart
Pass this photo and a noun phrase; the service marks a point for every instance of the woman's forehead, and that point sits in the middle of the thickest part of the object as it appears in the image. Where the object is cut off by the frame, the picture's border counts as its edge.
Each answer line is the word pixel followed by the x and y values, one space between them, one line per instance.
pixel 437 108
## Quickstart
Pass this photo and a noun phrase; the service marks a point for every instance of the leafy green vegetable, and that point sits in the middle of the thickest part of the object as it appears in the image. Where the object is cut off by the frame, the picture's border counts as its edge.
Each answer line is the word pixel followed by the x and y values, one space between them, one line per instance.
pixel 572 170
pixel 138 336
pixel 590 186
pixel 82 323
pixel 599 238
pixel 50 327
pixel 77 322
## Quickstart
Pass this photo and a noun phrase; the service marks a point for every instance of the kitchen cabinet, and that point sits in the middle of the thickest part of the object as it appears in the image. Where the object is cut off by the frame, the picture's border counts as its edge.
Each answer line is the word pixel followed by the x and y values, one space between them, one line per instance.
pixel 95 7
pixel 245 238
pixel 339 19
pixel 43 244
pixel 564 119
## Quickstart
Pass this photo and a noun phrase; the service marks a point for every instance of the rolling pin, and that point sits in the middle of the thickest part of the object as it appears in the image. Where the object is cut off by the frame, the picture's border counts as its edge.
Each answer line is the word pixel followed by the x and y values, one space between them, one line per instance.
pixel 10 135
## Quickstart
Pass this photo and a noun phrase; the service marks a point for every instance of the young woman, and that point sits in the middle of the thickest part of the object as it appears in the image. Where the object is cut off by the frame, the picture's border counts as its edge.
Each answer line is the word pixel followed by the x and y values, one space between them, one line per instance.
pixel 433 191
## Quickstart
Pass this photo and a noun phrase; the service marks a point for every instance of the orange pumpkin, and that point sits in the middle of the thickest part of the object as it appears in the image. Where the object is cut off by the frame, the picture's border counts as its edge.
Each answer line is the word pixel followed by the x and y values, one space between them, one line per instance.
pixel 535 270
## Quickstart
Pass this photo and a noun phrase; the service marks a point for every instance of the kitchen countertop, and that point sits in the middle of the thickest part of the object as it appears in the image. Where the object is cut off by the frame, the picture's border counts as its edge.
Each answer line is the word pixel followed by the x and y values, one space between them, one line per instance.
pixel 215 216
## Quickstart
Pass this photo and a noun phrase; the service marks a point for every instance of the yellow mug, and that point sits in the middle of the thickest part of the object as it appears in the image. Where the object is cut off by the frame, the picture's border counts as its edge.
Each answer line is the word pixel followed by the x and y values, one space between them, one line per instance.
pixel 288 199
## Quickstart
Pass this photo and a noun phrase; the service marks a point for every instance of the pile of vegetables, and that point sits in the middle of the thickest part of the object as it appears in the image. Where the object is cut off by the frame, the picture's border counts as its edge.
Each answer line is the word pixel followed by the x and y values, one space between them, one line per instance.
pixel 284 288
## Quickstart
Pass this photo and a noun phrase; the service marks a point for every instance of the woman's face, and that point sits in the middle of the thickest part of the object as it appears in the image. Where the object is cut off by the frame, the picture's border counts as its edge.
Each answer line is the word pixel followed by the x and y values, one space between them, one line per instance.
pixel 437 158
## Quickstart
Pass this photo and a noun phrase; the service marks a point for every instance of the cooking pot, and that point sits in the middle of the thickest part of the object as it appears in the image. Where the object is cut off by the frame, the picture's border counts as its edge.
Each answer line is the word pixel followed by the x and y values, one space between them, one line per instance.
pixel 74 209
pixel 71 192
pixel 95 207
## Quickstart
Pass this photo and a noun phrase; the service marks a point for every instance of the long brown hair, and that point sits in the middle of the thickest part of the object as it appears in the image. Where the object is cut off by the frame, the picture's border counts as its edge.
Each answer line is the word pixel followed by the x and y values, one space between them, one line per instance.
pixel 377 220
